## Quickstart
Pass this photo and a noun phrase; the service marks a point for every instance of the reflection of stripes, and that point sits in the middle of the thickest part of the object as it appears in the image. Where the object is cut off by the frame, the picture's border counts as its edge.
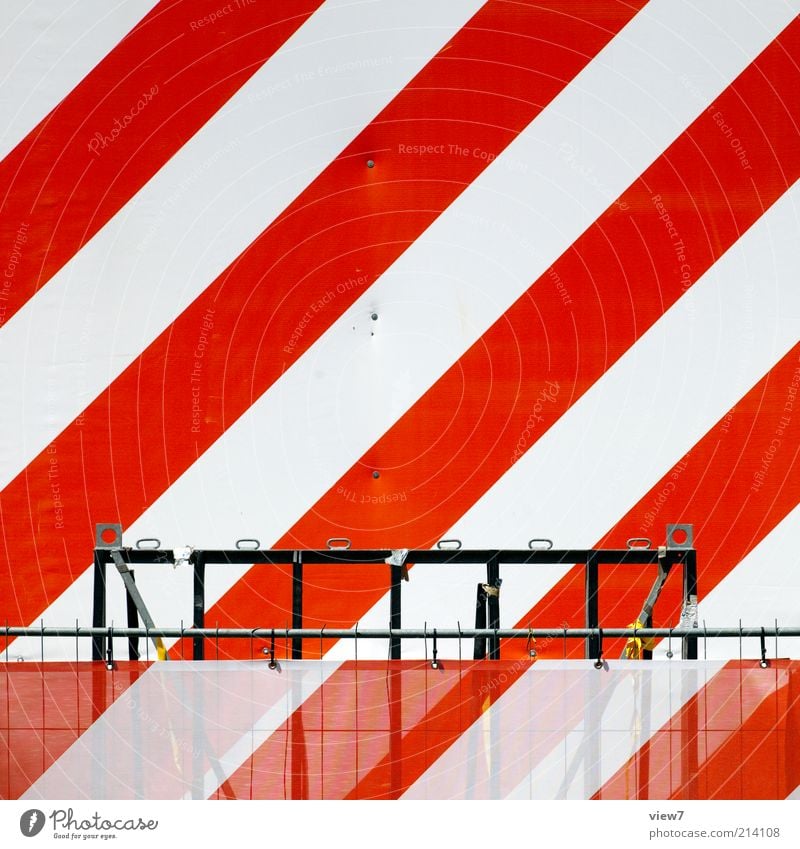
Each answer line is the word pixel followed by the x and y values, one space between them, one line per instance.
pixel 550 201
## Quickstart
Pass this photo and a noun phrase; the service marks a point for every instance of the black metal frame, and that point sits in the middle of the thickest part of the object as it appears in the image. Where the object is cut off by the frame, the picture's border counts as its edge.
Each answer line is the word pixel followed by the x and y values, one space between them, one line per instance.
pixel 493 558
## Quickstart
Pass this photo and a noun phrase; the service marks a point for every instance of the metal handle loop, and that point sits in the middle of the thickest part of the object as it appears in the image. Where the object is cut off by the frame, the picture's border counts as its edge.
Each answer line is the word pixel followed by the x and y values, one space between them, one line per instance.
pixel 639 542
pixel 449 544
pixel 346 543
pixel 246 544
pixel 140 544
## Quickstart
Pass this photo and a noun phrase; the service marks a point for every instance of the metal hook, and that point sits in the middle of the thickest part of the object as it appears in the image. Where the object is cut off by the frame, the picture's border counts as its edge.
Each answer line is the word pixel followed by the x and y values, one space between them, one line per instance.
pixel 425 638
pixel 531 641
pixel 764 663
pixel 669 644
pixel 434 662
pixel 705 641
pixel 110 647
pixel 776 639
pixel 598 664
pixel 273 661
pixel 740 641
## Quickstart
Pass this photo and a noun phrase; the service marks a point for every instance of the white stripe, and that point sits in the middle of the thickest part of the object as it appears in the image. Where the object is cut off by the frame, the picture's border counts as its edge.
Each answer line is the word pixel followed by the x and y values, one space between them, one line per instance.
pixel 628 430
pixel 47 47
pixel 446 290
pixel 205 206
pixel 562 730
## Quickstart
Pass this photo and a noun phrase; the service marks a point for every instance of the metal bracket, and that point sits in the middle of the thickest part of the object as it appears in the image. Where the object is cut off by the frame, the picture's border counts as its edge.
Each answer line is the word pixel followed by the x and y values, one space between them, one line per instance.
pixel 398 558
pixel 102 528
pixel 689 614
pixel 684 533
pixel 141 607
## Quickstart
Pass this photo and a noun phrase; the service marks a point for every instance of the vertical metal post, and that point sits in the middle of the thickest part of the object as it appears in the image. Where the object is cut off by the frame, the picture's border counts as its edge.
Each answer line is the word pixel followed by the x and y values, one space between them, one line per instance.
pixel 479 651
pixel 199 603
pixel 99 607
pixel 133 622
pixel 493 600
pixel 647 654
pixel 689 648
pixel 592 604
pixel 297 603
pixel 395 609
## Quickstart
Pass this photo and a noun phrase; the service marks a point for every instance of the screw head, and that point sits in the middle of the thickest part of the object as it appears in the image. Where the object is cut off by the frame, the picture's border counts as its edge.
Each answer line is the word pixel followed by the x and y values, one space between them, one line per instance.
pixel 370 163
pixel 376 474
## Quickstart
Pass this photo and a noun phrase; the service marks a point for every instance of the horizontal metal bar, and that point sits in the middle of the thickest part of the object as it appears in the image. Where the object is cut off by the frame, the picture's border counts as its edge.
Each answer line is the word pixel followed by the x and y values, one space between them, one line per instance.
pixel 403 633
pixel 136 555
pixel 448 557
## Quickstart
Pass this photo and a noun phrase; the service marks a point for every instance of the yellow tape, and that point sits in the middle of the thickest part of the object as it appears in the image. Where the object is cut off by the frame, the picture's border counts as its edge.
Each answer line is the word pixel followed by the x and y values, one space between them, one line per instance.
pixel 636 646
pixel 161 649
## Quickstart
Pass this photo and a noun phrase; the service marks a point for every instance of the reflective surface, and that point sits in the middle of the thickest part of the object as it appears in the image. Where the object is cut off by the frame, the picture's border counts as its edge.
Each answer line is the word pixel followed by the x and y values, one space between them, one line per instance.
pixel 311 729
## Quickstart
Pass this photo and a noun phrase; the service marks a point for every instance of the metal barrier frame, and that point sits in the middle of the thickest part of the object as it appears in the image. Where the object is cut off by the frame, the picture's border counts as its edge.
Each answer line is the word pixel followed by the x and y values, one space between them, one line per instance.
pixel 494 559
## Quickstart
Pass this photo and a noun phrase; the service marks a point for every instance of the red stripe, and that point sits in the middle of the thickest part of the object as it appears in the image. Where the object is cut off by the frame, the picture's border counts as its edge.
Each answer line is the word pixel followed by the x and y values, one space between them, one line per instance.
pixel 44 708
pixel 261 298
pixel 453 445
pixel 732 740
pixel 168 76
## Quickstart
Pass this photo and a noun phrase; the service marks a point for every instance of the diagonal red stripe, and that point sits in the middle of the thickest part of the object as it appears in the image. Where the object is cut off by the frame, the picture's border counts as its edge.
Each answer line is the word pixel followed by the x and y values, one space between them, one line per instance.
pixel 453 445
pixel 732 740
pixel 115 466
pixel 118 127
